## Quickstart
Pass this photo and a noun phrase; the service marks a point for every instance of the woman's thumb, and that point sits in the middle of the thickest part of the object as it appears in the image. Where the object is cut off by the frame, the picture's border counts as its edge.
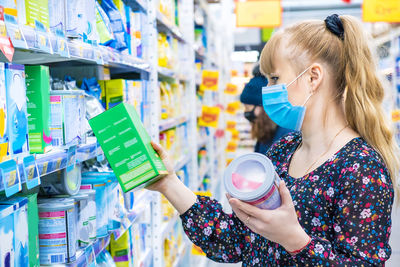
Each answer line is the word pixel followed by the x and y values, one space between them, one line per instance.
pixel 286 198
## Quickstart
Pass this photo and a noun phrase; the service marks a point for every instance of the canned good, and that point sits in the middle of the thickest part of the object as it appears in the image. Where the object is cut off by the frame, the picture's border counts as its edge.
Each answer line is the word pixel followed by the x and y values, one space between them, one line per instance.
pixel 57 234
pixel 252 179
pixel 62 182
pixel 90 210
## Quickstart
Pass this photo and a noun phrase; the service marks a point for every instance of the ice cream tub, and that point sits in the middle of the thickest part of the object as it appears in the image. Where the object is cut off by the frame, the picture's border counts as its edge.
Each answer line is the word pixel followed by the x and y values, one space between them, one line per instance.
pixel 252 179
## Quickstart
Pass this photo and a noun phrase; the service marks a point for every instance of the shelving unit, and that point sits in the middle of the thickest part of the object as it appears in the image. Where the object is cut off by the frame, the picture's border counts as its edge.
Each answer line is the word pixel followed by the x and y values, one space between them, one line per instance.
pixel 82 58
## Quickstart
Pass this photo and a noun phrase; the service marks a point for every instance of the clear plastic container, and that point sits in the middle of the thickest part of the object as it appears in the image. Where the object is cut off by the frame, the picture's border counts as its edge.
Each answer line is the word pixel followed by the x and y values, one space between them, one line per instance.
pixel 252 179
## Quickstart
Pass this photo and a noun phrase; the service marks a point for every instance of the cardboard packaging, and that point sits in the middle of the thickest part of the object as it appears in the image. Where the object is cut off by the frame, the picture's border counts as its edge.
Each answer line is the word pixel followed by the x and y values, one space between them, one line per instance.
pixel 112 92
pixel 17 116
pixel 38 94
pixel 3 115
pixel 127 147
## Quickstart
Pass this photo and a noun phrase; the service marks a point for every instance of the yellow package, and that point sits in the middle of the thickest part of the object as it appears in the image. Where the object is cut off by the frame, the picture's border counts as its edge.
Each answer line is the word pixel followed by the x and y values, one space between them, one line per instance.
pixel 171 106
pixel 119 250
pixel 165 103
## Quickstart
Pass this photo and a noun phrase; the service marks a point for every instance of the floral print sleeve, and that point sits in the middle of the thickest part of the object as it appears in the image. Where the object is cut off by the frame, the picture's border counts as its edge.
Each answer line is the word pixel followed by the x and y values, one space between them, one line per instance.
pixel 344 205
pixel 219 235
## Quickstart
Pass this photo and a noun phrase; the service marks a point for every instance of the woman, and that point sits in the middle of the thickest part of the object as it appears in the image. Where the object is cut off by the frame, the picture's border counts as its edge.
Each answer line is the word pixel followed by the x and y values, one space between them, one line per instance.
pixel 339 172
pixel 263 129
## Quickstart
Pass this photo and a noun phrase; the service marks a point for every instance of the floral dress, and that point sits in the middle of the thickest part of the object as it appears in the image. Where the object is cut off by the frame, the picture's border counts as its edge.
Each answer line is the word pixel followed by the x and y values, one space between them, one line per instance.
pixel 344 206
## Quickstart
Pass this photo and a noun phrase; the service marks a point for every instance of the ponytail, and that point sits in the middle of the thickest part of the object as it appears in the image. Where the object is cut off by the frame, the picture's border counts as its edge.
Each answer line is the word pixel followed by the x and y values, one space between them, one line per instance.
pixel 363 96
pixel 341 43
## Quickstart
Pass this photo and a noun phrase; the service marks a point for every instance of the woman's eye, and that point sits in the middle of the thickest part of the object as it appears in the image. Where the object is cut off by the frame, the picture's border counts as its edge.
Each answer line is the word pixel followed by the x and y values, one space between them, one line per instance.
pixel 274 79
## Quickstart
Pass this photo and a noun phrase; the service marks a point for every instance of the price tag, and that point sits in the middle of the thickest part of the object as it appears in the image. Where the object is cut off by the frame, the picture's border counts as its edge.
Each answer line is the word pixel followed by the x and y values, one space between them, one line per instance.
pixel 58 163
pixel 44 168
pixel 10 177
pixel 14 32
pixel 31 172
pixel 42 38
pixel 71 158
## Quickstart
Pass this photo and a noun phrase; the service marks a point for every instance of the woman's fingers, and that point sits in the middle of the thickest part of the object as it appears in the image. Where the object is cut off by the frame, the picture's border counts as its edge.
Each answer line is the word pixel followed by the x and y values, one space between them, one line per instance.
pixel 159 149
pixel 249 209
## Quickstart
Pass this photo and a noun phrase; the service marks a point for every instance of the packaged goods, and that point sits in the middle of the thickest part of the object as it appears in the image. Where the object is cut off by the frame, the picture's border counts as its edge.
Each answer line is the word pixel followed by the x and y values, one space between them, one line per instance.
pixel 38 94
pixel 127 147
pixel 252 178
pixel 17 115
pixel 3 114
pixel 62 182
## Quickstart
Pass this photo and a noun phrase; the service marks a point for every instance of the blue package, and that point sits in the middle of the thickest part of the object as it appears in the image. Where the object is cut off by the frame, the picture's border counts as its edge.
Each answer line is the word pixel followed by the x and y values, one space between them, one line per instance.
pixel 117 25
pixel 17 119
pixel 7 235
pixel 91 87
pixel 20 221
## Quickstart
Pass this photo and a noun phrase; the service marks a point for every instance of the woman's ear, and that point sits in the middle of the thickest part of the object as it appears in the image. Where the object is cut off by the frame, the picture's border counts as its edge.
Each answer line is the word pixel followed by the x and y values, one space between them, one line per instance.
pixel 258 110
pixel 316 73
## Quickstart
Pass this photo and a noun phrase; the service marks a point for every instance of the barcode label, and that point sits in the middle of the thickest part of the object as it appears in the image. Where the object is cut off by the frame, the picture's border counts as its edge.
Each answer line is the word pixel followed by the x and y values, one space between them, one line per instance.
pixel 57 258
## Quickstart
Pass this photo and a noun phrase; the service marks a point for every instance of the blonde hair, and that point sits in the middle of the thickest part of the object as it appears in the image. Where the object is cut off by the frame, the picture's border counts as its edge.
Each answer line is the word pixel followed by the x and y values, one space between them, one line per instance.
pixel 353 71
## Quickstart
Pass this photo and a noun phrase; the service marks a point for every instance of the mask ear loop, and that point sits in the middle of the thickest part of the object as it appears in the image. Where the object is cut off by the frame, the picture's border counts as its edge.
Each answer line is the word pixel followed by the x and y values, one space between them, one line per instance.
pixel 298 76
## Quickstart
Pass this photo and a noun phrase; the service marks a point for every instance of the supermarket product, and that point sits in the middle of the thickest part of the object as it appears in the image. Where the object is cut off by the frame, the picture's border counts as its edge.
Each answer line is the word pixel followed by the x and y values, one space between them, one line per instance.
pixel 252 178
pixel 138 22
pixel 120 250
pixel 17 115
pixel 62 182
pixel 105 260
pixel 80 19
pixel 67 117
pixel 98 182
pixel 57 233
pixel 90 210
pixel 83 230
pixel 115 212
pixel 7 235
pixel 33 230
pixel 57 15
pixel 20 228
pixel 3 115
pixel 32 11
pixel 117 25
pixel 103 26
pixel 113 92
pixel 127 147
pixel 38 94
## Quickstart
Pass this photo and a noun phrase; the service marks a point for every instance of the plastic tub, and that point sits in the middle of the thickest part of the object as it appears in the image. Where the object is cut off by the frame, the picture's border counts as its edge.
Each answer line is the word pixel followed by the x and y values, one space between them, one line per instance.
pixel 252 178
pixel 57 234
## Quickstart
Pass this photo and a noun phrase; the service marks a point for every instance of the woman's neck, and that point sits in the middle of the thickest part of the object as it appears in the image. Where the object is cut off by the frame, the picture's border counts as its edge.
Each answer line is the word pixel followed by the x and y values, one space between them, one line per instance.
pixel 321 126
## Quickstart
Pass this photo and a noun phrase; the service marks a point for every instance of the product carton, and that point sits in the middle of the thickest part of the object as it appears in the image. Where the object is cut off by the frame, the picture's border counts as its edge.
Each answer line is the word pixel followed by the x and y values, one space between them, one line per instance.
pixel 127 147
pixel 7 235
pixel 30 11
pixel 20 226
pixel 38 93
pixel 3 115
pixel 17 116
pixel 113 92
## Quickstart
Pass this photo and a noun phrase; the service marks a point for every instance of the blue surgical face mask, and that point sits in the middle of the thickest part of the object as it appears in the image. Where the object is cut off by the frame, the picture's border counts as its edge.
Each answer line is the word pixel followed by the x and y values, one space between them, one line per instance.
pixel 280 110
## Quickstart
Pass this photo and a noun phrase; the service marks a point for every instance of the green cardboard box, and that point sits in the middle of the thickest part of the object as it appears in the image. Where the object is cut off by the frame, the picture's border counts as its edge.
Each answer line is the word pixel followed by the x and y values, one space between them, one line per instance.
pixel 38 93
pixel 127 147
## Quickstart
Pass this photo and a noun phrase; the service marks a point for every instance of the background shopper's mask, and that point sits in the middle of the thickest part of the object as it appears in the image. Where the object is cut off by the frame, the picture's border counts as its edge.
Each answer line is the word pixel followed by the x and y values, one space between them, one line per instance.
pixel 279 109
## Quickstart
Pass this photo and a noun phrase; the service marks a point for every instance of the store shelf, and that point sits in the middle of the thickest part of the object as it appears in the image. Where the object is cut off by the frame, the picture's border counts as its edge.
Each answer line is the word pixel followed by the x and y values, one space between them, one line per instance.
pixel 172 123
pixel 167 226
pixel 165 25
pixel 87 256
pixel 134 215
pixel 57 160
pixel 166 73
pixel 182 162
pixel 75 52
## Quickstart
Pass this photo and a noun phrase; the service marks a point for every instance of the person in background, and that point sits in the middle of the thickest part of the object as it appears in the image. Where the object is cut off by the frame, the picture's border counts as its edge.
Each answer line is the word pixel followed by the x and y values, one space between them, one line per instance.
pixel 263 129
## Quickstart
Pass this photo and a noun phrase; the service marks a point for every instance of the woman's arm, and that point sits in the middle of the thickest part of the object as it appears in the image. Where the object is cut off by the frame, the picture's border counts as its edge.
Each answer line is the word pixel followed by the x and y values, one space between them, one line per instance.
pixel 221 236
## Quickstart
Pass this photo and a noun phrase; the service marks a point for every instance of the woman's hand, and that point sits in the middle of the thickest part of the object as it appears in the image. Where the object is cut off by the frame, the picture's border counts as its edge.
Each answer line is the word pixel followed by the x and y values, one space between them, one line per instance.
pixel 279 225
pixel 162 184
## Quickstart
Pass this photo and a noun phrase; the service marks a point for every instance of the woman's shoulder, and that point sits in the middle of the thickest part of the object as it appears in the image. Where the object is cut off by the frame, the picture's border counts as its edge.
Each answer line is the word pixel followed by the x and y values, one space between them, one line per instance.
pixel 284 145
pixel 360 163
